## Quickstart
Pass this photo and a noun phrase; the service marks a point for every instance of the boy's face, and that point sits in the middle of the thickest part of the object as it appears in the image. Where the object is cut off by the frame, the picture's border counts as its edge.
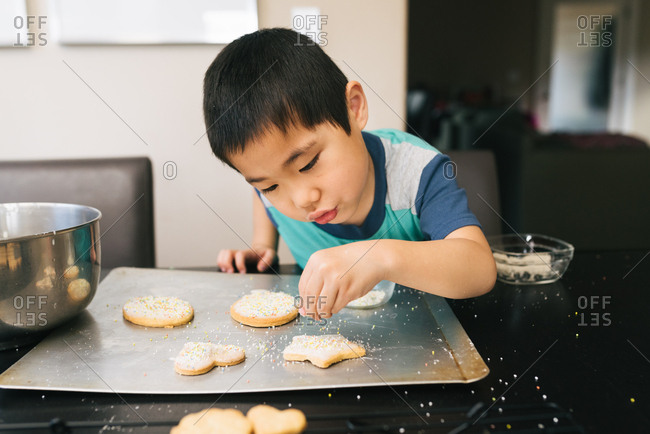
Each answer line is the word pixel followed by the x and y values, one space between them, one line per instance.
pixel 318 174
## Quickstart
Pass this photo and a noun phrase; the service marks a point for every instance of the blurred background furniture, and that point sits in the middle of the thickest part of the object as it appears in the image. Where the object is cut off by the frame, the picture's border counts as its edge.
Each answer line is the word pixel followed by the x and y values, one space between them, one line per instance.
pixel 121 188
pixel 588 189
pixel 476 172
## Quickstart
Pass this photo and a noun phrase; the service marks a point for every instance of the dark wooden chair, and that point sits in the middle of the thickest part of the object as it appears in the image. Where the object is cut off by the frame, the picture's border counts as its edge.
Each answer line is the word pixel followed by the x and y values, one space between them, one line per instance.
pixel 121 188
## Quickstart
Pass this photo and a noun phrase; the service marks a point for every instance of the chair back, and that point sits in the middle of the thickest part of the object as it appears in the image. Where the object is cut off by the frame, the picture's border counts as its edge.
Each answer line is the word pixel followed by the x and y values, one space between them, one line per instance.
pixel 121 188
pixel 476 172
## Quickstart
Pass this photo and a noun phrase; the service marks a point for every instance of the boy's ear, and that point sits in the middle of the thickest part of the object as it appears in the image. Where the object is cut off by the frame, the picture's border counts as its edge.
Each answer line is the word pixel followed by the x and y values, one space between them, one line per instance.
pixel 357 103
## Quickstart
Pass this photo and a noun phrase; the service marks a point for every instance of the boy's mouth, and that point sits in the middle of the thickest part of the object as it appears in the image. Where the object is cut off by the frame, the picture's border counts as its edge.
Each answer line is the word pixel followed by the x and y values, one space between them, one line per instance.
pixel 323 217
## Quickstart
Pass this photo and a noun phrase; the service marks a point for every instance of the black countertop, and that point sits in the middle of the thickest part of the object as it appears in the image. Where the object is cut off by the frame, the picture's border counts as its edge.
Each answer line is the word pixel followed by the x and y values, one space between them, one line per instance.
pixel 572 356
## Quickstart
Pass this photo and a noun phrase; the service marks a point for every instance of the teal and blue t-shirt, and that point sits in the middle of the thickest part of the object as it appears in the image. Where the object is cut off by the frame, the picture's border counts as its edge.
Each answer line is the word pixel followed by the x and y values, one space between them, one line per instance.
pixel 416 199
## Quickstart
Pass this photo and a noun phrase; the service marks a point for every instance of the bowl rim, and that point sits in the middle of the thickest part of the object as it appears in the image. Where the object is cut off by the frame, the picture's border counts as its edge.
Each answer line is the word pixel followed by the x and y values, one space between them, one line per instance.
pixel 384 285
pixel 96 218
pixel 568 247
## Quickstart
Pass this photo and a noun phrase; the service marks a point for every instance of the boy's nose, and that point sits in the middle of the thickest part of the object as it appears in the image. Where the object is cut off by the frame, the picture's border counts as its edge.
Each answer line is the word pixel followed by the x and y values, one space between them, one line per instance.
pixel 306 198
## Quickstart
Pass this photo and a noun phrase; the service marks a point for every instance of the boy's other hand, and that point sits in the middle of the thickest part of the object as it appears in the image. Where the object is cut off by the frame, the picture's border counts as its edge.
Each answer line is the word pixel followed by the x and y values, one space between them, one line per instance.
pixel 334 277
pixel 259 258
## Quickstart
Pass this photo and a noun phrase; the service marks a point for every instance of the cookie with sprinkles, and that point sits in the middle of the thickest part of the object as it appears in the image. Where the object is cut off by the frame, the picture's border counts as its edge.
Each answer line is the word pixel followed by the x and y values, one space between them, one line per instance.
pixel 262 308
pixel 200 357
pixel 322 351
pixel 153 311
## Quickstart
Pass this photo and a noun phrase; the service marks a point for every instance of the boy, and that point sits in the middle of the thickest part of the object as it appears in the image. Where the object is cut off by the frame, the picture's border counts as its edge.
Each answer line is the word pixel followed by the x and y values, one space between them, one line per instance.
pixel 354 207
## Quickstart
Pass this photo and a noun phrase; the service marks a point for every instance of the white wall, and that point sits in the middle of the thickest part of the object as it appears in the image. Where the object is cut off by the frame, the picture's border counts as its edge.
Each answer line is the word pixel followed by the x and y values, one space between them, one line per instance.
pixel 48 112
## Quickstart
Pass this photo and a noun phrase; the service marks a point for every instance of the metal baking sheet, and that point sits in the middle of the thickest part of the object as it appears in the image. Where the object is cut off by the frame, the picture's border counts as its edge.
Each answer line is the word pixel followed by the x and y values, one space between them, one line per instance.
pixel 413 339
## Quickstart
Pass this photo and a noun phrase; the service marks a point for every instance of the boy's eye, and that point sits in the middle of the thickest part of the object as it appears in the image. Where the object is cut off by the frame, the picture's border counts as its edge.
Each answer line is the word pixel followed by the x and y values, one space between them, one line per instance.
pixel 310 164
pixel 270 189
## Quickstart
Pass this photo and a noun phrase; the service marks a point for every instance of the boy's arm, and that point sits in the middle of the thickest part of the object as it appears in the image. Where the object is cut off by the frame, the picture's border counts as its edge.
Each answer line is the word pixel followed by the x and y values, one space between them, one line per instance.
pixel 265 234
pixel 263 249
pixel 460 266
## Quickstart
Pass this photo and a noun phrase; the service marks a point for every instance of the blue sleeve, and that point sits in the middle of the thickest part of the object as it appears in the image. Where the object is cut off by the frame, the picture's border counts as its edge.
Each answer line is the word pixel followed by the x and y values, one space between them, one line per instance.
pixel 268 213
pixel 440 204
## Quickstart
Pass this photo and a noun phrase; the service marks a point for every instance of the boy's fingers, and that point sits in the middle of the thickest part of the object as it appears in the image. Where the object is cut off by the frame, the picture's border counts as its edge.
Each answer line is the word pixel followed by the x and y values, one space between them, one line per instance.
pixel 220 260
pixel 240 261
pixel 327 301
pixel 310 296
pixel 224 260
pixel 339 304
pixel 265 260
pixel 304 279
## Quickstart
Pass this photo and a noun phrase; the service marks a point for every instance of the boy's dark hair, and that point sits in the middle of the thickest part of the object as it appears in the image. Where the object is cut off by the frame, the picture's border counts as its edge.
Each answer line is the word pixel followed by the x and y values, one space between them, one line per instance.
pixel 270 78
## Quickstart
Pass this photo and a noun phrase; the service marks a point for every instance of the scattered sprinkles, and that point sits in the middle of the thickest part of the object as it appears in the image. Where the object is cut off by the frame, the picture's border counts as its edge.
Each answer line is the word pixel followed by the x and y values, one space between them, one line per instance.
pixel 323 343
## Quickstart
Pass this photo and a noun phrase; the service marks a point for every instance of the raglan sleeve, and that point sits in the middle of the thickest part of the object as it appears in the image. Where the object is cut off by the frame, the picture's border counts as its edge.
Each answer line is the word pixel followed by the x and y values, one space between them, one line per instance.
pixel 267 205
pixel 440 204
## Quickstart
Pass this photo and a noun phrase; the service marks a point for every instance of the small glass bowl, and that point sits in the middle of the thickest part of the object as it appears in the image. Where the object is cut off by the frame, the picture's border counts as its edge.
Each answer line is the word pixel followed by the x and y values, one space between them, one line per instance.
pixel 530 259
pixel 380 294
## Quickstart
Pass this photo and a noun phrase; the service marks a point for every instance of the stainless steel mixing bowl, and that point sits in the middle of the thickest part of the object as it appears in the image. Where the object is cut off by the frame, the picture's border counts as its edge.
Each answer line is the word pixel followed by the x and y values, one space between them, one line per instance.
pixel 49 267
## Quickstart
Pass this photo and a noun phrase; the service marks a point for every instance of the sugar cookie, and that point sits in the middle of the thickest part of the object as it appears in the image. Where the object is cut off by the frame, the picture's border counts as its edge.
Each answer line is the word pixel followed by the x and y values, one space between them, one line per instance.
pixel 214 421
pixel 269 420
pixel 262 308
pixel 199 357
pixel 153 311
pixel 323 350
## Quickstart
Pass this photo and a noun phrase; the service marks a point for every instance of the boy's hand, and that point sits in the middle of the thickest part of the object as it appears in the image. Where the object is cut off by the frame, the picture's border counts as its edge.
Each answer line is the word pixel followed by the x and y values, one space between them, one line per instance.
pixel 261 258
pixel 334 277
